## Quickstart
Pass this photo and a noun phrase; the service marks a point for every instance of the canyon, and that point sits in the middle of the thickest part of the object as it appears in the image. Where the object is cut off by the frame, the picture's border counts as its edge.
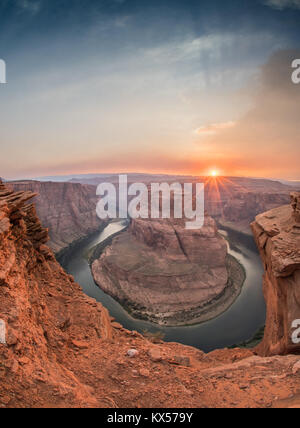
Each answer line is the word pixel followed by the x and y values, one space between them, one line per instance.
pixel 68 210
pixel 163 273
pixel 233 202
pixel 62 349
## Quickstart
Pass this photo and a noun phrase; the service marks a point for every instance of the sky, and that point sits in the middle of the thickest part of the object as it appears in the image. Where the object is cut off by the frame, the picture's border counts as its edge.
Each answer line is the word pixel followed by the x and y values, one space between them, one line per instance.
pixel 162 86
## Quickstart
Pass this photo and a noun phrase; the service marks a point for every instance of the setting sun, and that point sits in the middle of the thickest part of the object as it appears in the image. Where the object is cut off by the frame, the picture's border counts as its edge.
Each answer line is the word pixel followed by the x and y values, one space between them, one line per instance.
pixel 214 173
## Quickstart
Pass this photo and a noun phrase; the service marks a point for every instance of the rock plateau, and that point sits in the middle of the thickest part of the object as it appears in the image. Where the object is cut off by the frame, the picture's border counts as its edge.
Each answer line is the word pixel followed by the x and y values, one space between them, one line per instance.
pixel 169 275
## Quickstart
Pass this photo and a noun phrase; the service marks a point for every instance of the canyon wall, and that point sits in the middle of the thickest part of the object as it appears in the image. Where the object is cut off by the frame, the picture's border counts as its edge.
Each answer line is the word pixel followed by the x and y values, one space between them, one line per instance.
pixel 162 272
pixel 61 349
pixel 240 209
pixel 233 201
pixel 68 210
pixel 43 311
pixel 277 233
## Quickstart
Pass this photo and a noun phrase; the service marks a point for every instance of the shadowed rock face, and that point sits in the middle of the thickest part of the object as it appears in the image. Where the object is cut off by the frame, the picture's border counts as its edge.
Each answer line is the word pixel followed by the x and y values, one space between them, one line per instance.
pixel 68 210
pixel 61 348
pixel 240 209
pixel 277 234
pixel 164 273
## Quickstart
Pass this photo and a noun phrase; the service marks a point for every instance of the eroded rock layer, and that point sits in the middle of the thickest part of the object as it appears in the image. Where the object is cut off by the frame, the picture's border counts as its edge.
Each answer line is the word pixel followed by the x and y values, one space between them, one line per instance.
pixel 277 233
pixel 165 273
pixel 68 210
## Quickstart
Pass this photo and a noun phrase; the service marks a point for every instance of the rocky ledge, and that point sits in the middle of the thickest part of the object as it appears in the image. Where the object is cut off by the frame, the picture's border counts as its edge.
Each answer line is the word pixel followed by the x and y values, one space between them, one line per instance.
pixel 61 349
pixel 161 272
pixel 277 233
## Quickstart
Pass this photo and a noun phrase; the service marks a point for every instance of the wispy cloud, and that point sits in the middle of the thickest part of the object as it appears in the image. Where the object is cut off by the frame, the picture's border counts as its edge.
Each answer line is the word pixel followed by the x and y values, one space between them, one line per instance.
pixel 192 48
pixel 213 47
pixel 214 128
pixel 283 4
pixel 31 6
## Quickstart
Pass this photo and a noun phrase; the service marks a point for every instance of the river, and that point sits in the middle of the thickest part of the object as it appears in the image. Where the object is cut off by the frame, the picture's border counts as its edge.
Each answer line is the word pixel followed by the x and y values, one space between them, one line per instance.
pixel 238 324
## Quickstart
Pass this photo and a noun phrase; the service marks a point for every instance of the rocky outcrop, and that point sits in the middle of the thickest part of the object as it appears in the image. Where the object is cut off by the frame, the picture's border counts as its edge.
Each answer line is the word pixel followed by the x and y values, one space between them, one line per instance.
pixel 164 273
pixel 68 210
pixel 40 322
pixel 59 348
pixel 277 234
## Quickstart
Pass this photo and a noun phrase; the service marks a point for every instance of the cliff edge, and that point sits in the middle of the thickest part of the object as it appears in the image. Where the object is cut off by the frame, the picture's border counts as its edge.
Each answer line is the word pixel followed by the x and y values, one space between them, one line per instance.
pixel 277 234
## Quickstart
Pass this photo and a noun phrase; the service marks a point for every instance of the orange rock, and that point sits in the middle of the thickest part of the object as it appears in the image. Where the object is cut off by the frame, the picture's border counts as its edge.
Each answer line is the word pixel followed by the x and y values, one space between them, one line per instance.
pixel 116 325
pixel 155 354
pixel 24 360
pixel 144 372
pixel 162 260
pixel 80 345
pixel 43 370
pixel 281 258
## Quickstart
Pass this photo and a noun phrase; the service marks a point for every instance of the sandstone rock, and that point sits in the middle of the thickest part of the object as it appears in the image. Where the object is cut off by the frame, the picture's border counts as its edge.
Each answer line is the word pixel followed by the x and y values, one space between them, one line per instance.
pixel 12 338
pixel 116 325
pixel 144 372
pixel 24 360
pixel 182 361
pixel 67 209
pixel 281 258
pixel 37 373
pixel 295 202
pixel 163 272
pixel 155 355
pixel 80 344
pixel 296 368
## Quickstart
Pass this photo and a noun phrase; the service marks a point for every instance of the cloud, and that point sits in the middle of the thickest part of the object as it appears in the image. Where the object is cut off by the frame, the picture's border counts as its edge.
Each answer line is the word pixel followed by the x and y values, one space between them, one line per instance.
pixel 211 46
pixel 214 128
pixel 283 4
pixel 31 6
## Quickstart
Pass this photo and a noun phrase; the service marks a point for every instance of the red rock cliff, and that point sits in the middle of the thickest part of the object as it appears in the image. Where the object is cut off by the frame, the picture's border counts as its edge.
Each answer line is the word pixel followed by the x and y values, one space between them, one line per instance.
pixel 277 234
pixel 68 210
pixel 59 348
